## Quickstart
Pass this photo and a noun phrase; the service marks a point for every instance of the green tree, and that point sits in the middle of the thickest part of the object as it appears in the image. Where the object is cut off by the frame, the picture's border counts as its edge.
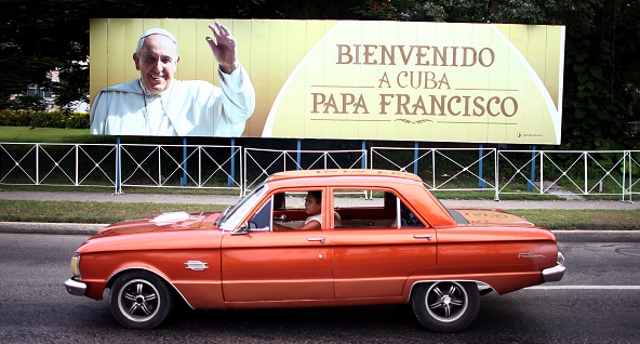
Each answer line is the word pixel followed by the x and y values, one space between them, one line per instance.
pixel 37 37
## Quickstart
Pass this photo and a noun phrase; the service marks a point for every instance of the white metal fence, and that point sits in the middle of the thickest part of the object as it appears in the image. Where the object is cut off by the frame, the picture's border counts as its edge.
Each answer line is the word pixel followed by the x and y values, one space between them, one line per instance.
pixel 115 166
pixel 58 164
pixel 501 172
pixel 260 163
pixel 443 169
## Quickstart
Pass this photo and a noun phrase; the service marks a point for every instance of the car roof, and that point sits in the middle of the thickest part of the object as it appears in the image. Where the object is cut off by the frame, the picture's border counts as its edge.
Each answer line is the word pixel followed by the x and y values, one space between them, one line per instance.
pixel 287 175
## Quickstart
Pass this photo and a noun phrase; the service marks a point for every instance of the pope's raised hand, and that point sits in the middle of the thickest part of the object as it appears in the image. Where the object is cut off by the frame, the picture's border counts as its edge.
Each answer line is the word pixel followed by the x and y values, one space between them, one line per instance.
pixel 223 47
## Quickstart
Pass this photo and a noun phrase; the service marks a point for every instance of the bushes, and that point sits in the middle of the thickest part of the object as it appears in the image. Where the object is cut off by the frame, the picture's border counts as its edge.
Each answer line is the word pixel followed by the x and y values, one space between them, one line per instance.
pixel 45 119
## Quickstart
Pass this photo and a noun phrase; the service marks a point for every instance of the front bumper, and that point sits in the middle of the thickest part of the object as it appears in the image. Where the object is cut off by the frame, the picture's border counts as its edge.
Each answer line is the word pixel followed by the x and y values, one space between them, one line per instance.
pixel 75 288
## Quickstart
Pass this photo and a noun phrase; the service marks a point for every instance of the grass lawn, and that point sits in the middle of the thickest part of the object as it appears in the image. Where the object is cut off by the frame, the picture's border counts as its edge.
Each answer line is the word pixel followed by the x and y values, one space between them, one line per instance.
pixel 50 135
pixel 90 212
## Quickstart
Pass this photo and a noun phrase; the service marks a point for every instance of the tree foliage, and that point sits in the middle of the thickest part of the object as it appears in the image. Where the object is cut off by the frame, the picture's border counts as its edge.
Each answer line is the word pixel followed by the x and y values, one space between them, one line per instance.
pixel 601 81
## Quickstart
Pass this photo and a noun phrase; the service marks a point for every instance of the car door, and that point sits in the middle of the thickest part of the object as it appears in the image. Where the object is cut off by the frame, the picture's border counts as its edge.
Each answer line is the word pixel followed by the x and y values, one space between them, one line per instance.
pixel 266 265
pixel 372 260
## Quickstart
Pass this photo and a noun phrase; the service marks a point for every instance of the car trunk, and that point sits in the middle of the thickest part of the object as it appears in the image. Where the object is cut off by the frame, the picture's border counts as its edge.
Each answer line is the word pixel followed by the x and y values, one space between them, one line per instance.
pixel 488 216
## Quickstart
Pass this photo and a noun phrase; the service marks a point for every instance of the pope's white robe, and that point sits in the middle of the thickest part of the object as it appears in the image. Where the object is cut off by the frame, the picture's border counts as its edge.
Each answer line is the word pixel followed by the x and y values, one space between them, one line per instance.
pixel 187 108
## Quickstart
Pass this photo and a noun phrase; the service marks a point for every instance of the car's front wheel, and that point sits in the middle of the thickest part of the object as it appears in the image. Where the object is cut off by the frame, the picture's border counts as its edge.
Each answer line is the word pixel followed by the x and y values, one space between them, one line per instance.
pixel 446 306
pixel 140 300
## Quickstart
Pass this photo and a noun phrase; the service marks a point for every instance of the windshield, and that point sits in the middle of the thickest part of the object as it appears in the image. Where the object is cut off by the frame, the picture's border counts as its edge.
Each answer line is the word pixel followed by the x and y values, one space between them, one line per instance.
pixel 231 219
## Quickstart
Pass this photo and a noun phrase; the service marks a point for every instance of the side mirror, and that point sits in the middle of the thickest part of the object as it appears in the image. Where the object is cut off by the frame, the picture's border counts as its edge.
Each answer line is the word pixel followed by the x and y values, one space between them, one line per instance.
pixel 244 229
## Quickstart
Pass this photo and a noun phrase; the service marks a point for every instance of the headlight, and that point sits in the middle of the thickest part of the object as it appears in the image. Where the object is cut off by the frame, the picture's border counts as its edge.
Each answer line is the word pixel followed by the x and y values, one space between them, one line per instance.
pixel 75 265
pixel 560 259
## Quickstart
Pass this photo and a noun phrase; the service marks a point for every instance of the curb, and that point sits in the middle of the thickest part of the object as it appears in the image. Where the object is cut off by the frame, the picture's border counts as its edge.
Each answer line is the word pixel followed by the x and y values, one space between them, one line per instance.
pixel 50 228
pixel 597 236
pixel 89 229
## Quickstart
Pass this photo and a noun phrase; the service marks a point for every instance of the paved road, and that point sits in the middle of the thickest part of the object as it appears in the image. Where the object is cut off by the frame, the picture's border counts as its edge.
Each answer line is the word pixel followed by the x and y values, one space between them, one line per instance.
pixel 598 301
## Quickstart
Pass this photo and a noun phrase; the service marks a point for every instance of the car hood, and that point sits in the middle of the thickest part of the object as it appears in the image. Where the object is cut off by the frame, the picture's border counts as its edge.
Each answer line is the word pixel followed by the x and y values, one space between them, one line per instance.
pixel 173 221
pixel 492 216
pixel 176 230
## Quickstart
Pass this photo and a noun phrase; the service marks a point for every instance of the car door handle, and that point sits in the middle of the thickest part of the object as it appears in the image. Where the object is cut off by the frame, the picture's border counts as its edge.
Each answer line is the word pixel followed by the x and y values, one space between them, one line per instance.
pixel 423 236
pixel 321 240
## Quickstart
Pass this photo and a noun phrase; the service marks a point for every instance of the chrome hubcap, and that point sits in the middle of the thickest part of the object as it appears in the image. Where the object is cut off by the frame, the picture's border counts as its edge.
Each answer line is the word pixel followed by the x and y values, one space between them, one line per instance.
pixel 138 300
pixel 446 301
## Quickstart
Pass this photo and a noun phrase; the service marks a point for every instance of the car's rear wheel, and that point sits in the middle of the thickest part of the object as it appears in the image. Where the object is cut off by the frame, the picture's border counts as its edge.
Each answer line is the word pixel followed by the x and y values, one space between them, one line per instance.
pixel 140 300
pixel 446 306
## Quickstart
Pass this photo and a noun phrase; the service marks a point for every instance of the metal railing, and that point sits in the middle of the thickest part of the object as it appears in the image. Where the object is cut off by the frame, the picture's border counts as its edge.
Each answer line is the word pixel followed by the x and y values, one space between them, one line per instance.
pixel 260 163
pixel 58 164
pixel 443 169
pixel 501 172
pixel 118 165
pixel 181 166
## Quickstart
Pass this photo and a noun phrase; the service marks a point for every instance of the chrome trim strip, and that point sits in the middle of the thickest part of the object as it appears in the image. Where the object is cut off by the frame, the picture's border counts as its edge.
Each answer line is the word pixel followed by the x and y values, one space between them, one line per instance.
pixel 196 265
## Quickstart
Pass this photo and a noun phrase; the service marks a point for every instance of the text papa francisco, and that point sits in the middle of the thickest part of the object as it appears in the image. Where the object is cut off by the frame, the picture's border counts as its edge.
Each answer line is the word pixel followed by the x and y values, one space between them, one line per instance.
pixel 411 91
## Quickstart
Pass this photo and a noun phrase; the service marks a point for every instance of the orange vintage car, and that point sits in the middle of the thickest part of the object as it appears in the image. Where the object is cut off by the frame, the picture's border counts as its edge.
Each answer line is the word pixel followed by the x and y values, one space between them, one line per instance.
pixel 318 238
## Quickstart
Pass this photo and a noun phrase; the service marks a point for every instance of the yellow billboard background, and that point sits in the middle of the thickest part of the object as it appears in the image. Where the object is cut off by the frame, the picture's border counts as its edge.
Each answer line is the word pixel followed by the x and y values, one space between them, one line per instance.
pixel 370 80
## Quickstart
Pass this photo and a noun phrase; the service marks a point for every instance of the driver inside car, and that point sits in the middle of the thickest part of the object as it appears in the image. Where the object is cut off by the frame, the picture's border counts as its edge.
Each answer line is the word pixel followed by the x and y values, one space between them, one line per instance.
pixel 313 208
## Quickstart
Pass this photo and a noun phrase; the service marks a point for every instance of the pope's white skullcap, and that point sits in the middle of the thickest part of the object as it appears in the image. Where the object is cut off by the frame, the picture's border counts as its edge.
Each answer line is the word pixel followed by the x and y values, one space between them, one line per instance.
pixel 158 31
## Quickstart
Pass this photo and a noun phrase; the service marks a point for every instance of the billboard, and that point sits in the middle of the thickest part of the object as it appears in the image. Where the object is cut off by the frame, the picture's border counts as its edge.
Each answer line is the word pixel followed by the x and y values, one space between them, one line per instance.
pixel 368 80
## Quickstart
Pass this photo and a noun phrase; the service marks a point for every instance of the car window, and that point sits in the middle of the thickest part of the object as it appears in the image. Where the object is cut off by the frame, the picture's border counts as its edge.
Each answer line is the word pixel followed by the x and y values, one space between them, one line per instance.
pixel 235 214
pixel 261 221
pixel 378 208
pixel 297 210
pixel 407 218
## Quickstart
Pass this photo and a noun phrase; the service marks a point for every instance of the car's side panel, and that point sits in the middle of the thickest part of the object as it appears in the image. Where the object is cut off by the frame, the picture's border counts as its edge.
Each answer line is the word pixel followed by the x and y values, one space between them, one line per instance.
pixel 171 255
pixel 507 258
pixel 277 266
pixel 370 263
pixel 201 289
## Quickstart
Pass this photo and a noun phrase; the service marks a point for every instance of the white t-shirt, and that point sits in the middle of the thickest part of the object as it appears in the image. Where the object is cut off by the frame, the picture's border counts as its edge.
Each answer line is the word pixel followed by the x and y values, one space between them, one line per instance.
pixel 314 218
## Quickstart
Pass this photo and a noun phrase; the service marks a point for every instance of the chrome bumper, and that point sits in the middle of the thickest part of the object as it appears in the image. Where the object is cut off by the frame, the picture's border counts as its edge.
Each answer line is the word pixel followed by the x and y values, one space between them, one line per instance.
pixel 74 287
pixel 553 274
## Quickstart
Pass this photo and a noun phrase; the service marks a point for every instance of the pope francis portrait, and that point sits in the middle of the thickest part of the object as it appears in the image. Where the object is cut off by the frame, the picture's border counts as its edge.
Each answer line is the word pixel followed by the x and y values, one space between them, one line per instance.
pixel 157 104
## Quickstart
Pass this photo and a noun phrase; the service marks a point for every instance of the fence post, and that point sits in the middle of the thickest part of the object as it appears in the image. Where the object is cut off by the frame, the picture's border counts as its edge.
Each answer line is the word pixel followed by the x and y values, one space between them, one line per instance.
pixel 481 182
pixel 233 163
pixel 118 167
pixel 433 168
pixel 415 157
pixel 624 175
pixel 585 156
pixel 530 184
pixel 496 174
pixel 542 172
pixel 37 164
pixel 364 160
pixel 183 180
pixel 77 172
pixel 298 154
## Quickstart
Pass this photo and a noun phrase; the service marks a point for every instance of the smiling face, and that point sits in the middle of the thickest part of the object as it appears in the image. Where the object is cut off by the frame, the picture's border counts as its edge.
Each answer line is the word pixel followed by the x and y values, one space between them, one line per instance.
pixel 157 62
